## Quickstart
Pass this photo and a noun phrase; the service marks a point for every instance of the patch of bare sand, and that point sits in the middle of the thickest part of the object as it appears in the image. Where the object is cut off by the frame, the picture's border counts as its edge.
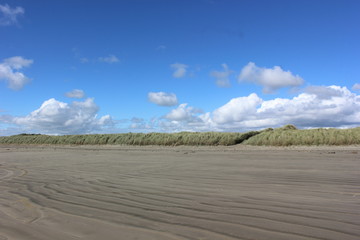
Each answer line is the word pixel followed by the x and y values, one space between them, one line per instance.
pixel 123 192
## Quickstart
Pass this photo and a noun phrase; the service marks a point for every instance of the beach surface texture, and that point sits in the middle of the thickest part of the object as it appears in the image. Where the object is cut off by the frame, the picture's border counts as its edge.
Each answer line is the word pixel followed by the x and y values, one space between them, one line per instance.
pixel 153 192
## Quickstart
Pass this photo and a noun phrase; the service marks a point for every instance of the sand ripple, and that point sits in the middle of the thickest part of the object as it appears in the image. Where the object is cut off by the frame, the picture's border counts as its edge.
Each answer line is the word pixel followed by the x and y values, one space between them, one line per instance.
pixel 179 193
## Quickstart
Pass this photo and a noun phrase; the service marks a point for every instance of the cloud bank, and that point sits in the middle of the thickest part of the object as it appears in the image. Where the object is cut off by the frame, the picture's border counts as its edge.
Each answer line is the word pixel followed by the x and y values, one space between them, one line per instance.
pixel 10 72
pixel 317 106
pixel 9 15
pixel 271 79
pixel 163 99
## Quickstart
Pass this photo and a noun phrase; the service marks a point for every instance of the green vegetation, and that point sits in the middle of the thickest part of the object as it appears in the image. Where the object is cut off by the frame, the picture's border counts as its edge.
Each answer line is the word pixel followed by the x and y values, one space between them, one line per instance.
pixel 166 139
pixel 284 136
pixel 289 135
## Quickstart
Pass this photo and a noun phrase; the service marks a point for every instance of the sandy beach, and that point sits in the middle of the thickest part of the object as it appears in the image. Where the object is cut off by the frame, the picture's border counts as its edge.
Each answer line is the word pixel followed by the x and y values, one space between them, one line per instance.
pixel 122 192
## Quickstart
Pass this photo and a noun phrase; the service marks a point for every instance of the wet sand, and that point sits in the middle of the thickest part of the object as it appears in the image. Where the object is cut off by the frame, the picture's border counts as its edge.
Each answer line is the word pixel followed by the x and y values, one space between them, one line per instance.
pixel 115 192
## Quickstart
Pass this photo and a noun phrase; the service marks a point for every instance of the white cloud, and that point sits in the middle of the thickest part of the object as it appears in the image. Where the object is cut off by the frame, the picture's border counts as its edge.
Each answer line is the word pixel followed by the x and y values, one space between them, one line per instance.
pixel 237 109
pixel 312 110
pixel 18 62
pixel 55 117
pixel 75 93
pixel 323 92
pixel 162 98
pixel 179 70
pixel 109 59
pixel 8 15
pixel 271 79
pixel 305 110
pixel 222 78
pixel 9 72
pixel 356 87
pixel 183 113
pixel 318 106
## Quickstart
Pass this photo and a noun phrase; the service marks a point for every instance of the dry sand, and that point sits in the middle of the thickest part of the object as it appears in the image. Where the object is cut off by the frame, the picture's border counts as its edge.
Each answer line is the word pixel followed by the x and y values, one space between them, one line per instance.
pixel 106 193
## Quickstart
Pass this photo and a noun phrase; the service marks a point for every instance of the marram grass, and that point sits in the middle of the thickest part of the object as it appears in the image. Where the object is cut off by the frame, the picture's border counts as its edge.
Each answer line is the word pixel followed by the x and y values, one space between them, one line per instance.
pixel 289 135
pixel 166 139
pixel 284 136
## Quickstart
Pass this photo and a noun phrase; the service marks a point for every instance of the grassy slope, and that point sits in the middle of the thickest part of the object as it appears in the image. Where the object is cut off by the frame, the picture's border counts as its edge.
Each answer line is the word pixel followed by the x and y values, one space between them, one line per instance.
pixel 289 135
pixel 285 136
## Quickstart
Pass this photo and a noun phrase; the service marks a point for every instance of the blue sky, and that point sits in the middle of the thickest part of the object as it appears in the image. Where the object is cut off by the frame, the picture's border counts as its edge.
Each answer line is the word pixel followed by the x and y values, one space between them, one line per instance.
pixel 70 67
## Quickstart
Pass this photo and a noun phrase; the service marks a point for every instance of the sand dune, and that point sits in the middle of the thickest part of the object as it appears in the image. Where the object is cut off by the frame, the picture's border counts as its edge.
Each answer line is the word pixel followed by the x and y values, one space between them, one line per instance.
pixel 179 193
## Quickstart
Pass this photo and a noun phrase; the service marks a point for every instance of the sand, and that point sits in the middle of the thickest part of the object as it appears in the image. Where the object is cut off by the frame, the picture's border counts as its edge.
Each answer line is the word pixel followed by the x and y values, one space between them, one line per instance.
pixel 117 192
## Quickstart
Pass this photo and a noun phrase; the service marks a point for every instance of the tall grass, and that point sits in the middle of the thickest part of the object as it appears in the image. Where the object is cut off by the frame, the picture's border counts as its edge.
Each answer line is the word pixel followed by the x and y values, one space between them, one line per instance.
pixel 284 136
pixel 166 139
pixel 289 135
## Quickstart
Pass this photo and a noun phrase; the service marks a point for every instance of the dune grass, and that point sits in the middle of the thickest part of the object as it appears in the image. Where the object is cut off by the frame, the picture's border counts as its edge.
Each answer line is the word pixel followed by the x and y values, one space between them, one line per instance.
pixel 165 139
pixel 289 135
pixel 284 136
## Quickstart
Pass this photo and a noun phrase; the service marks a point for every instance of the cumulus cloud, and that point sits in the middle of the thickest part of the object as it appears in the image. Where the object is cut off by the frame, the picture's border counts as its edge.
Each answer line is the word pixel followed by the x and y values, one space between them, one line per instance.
pixel 55 117
pixel 9 72
pixel 323 92
pixel 109 59
pixel 18 62
pixel 313 110
pixel 183 118
pixel 309 109
pixel 237 109
pixel 183 113
pixel 75 93
pixel 317 106
pixel 271 79
pixel 9 15
pixel 179 70
pixel 222 77
pixel 163 99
